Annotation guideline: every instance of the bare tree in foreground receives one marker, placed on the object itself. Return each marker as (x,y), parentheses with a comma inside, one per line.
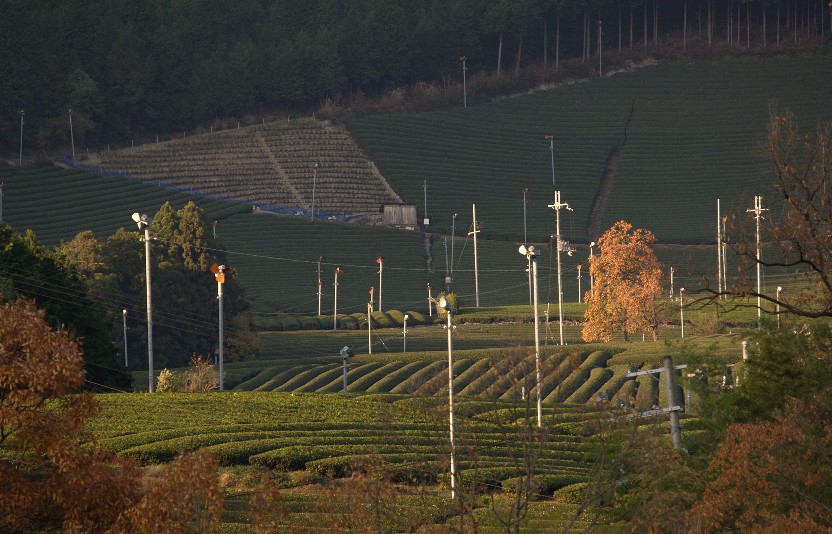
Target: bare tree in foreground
(801,230)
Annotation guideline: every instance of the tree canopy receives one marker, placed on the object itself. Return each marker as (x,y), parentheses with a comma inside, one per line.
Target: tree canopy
(127,70)
(626,292)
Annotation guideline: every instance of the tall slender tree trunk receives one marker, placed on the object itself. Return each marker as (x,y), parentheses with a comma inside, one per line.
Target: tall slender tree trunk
(710,25)
(795,22)
(729,24)
(519,55)
(765,37)
(655,23)
(778,24)
(500,55)
(645,24)
(619,26)
(557,43)
(748,25)
(685,27)
(583,39)
(632,10)
(699,19)
(545,44)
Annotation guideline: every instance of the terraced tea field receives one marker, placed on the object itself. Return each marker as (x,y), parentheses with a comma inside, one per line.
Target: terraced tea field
(688,133)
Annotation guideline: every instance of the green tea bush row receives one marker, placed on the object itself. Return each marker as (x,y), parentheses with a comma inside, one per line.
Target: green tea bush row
(396,377)
(303,377)
(586,392)
(579,375)
(547,484)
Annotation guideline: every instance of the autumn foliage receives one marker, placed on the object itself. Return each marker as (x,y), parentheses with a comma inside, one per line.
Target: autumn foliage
(626,291)
(773,476)
(53,477)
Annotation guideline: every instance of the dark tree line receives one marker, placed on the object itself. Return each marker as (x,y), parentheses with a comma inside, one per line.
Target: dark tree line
(133,69)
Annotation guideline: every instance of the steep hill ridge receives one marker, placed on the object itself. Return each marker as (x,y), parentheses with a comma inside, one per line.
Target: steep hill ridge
(270,164)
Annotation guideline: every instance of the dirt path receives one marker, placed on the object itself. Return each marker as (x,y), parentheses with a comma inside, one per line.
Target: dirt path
(593,224)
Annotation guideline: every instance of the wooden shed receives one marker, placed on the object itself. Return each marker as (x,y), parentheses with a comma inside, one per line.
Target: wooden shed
(399,216)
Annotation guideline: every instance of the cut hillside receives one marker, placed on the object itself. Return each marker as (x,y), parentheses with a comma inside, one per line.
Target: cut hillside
(271,165)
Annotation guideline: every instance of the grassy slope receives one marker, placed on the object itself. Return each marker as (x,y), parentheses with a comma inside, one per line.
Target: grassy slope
(692,136)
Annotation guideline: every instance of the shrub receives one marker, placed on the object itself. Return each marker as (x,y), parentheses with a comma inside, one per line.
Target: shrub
(310,323)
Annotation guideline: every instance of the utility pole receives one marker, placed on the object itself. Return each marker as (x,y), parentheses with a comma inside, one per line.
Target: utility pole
(551,140)
(219,272)
(447,271)
(476,271)
(335,306)
(430,302)
(561,245)
(71,136)
(20,161)
(345,355)
(531,254)
(2,190)
(443,303)
(426,220)
(682,309)
(724,253)
(600,72)
(719,249)
(380,261)
(144,223)
(579,284)
(314,185)
(453,239)
(526,242)
(320,284)
(673,409)
(464,85)
(757,211)
(124,321)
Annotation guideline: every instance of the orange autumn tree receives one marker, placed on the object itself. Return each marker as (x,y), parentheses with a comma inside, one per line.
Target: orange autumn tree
(53,479)
(626,292)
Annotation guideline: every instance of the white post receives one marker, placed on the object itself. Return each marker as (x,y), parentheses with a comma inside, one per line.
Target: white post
(150,378)
(451,395)
(221,349)
(404,334)
(476,270)
(579,283)
(430,302)
(671,282)
(591,277)
(537,345)
(779,289)
(369,328)
(557,206)
(682,309)
(124,320)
